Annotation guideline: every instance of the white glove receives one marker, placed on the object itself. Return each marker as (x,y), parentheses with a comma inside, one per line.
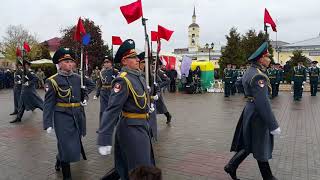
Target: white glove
(49,130)
(84,103)
(155,83)
(95,97)
(26,83)
(303,82)
(105,150)
(276,131)
(292,82)
(19,82)
(155,97)
(149,89)
(151,108)
(230,82)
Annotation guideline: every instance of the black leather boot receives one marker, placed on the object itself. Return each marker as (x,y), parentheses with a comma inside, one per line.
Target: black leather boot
(168,115)
(16,120)
(57,165)
(111,175)
(14,113)
(232,166)
(66,172)
(265,171)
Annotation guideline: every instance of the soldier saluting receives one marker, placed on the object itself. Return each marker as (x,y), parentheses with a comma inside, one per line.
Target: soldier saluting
(257,123)
(63,110)
(128,99)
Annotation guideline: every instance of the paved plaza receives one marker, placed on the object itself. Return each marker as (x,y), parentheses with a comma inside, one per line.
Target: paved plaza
(196,145)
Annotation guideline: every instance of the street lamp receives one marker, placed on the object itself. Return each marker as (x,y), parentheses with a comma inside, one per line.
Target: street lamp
(209,48)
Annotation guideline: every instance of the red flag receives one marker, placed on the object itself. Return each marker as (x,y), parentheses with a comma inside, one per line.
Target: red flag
(154,36)
(132,11)
(26,47)
(116,40)
(164,33)
(18,52)
(268,19)
(80,31)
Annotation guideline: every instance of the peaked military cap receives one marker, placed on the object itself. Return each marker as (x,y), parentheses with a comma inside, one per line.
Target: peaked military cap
(126,50)
(107,58)
(278,64)
(63,54)
(141,56)
(263,49)
(314,62)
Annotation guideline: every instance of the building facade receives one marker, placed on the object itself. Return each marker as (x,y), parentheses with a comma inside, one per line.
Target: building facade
(194,50)
(310,48)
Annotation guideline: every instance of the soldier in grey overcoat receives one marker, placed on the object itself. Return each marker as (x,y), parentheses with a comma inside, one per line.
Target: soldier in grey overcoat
(64,111)
(128,99)
(17,86)
(29,99)
(257,124)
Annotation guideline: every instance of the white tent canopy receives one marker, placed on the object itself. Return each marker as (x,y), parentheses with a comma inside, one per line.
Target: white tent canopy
(42,61)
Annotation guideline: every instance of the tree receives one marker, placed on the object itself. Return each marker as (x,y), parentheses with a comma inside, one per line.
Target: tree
(15,37)
(232,52)
(251,41)
(297,56)
(45,53)
(96,50)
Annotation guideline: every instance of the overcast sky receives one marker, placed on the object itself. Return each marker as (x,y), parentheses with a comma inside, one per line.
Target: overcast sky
(296,19)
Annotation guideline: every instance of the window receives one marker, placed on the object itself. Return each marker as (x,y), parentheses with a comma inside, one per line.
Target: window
(193,35)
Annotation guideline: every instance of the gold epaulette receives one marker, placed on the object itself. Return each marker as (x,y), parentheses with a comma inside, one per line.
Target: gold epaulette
(53,76)
(122,74)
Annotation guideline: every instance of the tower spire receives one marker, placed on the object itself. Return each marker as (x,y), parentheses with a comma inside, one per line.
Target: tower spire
(194,11)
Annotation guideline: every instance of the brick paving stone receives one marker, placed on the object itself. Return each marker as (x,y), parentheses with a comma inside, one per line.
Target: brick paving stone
(195,147)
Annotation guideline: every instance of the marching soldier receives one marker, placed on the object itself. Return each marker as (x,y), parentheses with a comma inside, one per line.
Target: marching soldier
(314,73)
(63,110)
(234,79)
(257,124)
(17,86)
(280,75)
(161,107)
(227,79)
(299,79)
(272,73)
(29,98)
(106,76)
(128,99)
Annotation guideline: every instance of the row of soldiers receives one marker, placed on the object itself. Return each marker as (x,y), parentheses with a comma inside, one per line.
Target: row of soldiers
(123,106)
(24,90)
(276,77)
(230,76)
(299,78)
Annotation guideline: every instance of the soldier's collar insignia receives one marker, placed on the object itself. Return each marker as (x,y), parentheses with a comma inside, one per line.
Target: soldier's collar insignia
(130,41)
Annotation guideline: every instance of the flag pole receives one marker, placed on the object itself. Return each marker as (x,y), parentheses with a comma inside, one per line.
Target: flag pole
(112,52)
(156,62)
(81,67)
(146,57)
